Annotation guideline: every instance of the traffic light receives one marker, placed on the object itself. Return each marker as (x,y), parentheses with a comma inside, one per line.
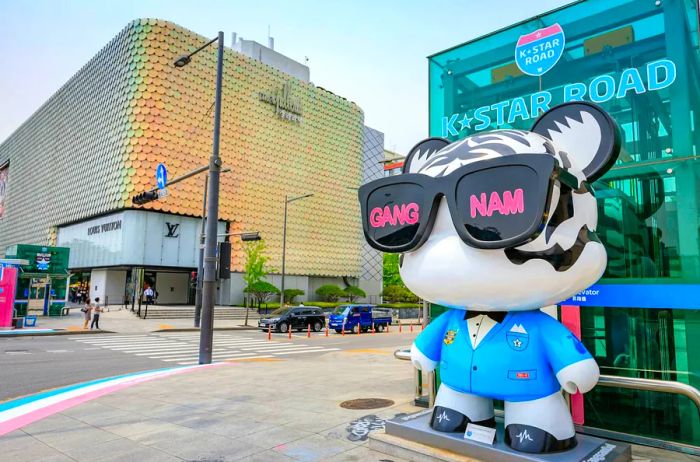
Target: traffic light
(224,260)
(144,197)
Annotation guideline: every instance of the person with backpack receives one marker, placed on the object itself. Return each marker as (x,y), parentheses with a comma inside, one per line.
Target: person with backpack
(87,311)
(96,316)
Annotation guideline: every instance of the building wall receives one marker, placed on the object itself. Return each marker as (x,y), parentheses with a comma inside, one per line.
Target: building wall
(172,287)
(108,285)
(134,238)
(129,109)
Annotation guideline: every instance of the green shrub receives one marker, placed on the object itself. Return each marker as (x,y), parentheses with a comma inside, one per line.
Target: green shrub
(398,294)
(261,291)
(291,294)
(353,292)
(330,292)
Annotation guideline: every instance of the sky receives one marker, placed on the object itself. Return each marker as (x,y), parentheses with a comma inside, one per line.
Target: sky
(372,52)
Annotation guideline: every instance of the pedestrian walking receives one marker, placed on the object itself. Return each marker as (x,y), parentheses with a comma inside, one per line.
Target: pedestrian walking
(97,309)
(149,295)
(87,311)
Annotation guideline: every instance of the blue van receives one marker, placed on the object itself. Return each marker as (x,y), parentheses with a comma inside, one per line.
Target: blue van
(356,317)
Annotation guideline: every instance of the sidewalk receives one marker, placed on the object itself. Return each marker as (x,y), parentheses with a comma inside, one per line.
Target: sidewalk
(252,411)
(123,321)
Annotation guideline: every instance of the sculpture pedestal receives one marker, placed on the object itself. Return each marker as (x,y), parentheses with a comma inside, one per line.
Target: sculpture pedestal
(412,438)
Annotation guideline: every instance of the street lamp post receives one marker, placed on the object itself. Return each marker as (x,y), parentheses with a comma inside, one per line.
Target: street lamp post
(206,334)
(287,200)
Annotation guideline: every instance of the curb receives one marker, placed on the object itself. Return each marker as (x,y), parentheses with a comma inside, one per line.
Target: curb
(62,332)
(196,329)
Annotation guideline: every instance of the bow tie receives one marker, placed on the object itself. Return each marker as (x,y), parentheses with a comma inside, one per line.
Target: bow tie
(497,316)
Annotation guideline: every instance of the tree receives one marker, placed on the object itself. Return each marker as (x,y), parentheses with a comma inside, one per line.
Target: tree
(353,292)
(261,291)
(330,292)
(255,267)
(390,272)
(396,294)
(291,294)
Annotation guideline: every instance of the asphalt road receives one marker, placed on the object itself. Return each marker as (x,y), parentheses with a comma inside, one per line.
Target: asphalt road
(32,364)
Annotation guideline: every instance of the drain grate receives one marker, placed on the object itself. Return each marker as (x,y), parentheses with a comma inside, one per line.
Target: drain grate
(366,403)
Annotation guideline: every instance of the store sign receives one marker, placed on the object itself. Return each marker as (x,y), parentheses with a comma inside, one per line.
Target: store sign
(286,106)
(43,260)
(539,51)
(171,229)
(537,56)
(104,227)
(677,296)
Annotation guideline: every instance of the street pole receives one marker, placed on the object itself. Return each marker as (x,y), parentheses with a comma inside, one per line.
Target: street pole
(284,248)
(287,200)
(209,267)
(200,265)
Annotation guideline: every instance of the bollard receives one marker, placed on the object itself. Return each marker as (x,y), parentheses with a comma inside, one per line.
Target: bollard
(388,326)
(400,330)
(372,328)
(411,327)
(342,332)
(308,332)
(359,328)
(269,332)
(290,333)
(326,330)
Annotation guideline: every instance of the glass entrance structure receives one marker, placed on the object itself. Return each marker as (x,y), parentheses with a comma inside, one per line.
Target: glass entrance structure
(638,59)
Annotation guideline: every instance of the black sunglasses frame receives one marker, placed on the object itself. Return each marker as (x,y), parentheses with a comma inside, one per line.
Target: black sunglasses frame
(546,168)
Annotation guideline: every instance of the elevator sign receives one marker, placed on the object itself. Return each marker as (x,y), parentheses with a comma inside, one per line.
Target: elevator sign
(539,51)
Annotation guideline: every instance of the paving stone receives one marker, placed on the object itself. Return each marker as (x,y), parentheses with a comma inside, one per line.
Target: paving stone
(313,448)
(275,436)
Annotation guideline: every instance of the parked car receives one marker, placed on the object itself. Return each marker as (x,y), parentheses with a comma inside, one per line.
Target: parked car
(295,317)
(359,317)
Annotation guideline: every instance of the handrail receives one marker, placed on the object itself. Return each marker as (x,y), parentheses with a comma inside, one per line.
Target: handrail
(664,386)
(615,381)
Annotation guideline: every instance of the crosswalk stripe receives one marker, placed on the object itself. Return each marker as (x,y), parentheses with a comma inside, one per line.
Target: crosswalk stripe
(277,347)
(82,337)
(136,347)
(306,351)
(125,342)
(144,349)
(189,363)
(215,355)
(189,352)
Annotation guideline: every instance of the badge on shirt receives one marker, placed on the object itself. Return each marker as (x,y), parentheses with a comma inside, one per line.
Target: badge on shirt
(517,337)
(450,336)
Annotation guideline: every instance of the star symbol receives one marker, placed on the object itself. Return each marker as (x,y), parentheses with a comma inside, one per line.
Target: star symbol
(538,35)
(465,122)
(517,343)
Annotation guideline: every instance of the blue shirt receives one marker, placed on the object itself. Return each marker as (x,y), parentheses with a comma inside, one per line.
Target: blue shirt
(517,360)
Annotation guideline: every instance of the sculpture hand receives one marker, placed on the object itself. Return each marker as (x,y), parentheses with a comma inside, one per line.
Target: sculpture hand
(581,376)
(420,361)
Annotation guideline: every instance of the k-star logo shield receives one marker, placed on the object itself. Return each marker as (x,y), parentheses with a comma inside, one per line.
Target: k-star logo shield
(538,51)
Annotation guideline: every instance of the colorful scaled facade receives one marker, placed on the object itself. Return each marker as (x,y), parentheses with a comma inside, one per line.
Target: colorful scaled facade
(640,62)
(68,174)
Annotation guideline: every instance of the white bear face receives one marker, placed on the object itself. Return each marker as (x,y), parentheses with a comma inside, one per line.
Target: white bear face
(561,259)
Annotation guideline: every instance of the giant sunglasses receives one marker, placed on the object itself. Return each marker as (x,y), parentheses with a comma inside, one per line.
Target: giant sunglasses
(494,204)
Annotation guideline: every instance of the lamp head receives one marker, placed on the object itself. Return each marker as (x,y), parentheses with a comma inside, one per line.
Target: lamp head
(182,61)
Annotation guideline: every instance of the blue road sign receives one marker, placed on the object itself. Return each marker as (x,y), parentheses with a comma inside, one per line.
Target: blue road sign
(161,176)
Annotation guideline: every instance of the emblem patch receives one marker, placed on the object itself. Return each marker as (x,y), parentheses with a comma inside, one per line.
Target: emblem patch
(450,336)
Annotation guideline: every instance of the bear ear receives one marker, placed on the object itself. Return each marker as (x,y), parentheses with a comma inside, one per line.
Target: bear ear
(585,132)
(419,154)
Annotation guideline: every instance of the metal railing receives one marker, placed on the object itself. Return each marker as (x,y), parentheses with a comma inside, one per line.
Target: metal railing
(612,381)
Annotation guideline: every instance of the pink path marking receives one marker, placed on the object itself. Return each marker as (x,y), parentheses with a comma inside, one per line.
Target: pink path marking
(33,416)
